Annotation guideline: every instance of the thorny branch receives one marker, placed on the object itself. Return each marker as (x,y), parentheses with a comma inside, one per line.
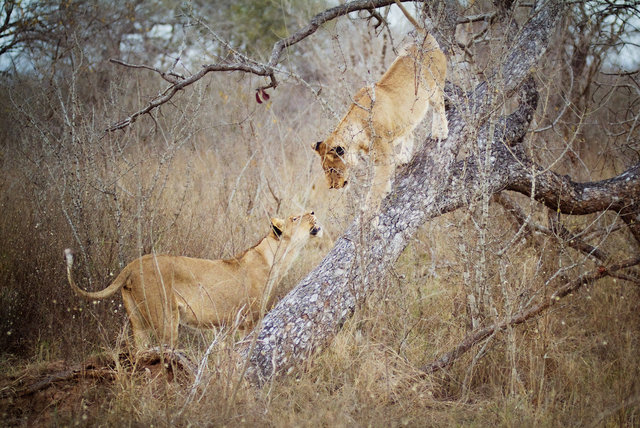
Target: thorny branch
(169,92)
(170,77)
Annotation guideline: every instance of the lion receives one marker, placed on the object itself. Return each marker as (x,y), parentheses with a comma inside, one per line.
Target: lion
(162,291)
(380,122)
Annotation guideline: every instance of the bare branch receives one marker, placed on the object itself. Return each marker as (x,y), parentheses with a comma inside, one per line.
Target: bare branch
(170,77)
(560,193)
(620,73)
(474,338)
(248,66)
(566,236)
(475,18)
(321,18)
(169,92)
(631,216)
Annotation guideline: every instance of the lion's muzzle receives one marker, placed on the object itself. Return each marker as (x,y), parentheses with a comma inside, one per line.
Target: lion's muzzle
(335,179)
(316,231)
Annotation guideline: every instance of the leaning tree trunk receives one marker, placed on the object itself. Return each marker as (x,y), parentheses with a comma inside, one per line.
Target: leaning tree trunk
(308,318)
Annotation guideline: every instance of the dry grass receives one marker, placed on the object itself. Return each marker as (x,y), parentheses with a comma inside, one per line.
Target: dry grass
(202,180)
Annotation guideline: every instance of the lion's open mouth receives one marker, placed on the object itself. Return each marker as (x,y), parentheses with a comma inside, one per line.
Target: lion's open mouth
(316,231)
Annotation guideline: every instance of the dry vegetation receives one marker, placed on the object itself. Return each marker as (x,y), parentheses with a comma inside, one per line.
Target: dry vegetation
(202,179)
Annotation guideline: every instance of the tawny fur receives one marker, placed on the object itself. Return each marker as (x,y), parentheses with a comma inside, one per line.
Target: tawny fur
(380,122)
(161,291)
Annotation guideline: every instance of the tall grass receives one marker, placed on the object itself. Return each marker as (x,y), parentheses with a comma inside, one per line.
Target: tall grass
(202,177)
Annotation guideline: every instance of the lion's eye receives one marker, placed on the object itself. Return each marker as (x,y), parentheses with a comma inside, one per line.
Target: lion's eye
(295,218)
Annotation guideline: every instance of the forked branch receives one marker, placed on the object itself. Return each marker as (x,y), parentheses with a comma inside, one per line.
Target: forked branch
(169,92)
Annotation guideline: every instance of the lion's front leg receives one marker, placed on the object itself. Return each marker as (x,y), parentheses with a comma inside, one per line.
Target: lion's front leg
(439,124)
(403,148)
(381,181)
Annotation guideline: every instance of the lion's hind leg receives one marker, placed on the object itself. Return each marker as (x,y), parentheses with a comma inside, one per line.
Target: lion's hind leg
(158,324)
(171,324)
(139,326)
(165,319)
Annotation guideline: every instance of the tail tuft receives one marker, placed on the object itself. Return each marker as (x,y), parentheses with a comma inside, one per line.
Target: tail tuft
(68,256)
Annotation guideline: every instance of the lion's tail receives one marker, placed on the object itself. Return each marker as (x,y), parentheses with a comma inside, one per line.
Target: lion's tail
(97,295)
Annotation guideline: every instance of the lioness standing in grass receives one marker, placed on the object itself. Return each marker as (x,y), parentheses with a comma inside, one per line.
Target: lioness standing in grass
(160,291)
(380,122)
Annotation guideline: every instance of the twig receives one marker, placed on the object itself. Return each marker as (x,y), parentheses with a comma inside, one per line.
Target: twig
(567,103)
(476,18)
(170,76)
(563,234)
(168,93)
(635,280)
(199,374)
(620,73)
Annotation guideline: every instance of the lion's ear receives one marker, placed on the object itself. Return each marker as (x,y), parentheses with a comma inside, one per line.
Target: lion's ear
(339,150)
(277,225)
(316,146)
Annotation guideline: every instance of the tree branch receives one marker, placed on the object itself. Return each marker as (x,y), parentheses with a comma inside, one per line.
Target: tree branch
(321,18)
(631,216)
(560,193)
(170,77)
(566,236)
(169,92)
(474,338)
